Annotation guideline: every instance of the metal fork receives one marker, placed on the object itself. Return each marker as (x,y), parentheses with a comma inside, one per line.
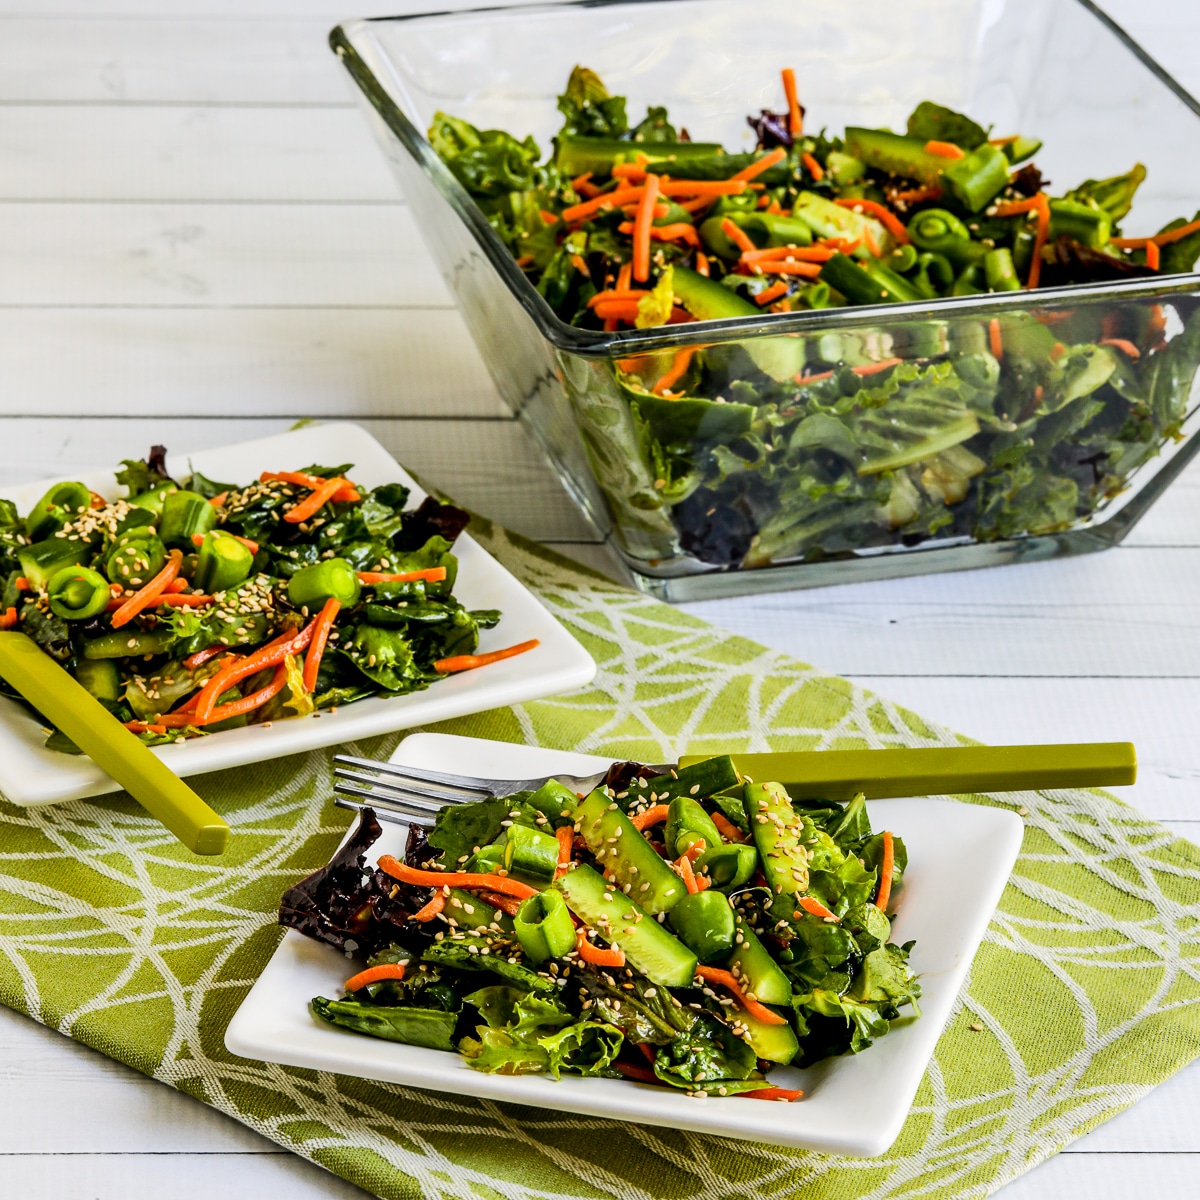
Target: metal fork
(413,795)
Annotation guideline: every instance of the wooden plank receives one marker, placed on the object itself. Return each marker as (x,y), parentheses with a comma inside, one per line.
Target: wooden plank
(191,153)
(173,59)
(230,362)
(1155,714)
(281,1176)
(490,466)
(104,255)
(1123,613)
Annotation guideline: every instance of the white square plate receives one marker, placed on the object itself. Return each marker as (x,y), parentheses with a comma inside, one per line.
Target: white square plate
(31,774)
(960,857)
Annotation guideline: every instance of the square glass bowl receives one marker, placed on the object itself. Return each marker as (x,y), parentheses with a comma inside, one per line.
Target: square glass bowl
(728,491)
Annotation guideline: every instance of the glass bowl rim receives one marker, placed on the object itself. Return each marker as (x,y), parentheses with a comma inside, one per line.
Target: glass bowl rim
(621,343)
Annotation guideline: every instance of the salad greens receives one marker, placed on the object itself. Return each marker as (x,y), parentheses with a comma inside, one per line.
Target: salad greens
(805,446)
(190,606)
(690,930)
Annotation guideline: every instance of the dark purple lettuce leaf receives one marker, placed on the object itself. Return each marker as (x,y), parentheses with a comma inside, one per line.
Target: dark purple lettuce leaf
(431,518)
(771,129)
(354,908)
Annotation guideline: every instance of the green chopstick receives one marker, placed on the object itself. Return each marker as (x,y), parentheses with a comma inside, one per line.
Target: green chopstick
(939,770)
(70,707)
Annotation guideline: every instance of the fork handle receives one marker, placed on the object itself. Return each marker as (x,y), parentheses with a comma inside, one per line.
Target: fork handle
(936,771)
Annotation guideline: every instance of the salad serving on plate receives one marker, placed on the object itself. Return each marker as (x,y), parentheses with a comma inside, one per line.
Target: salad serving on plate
(801,447)
(193,606)
(689,929)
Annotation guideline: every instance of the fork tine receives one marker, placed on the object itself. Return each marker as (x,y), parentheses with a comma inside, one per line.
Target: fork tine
(391,798)
(384,814)
(385,786)
(467,783)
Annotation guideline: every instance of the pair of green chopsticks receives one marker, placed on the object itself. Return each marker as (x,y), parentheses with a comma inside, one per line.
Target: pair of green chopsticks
(831,774)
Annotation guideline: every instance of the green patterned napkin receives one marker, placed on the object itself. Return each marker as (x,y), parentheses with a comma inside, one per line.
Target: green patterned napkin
(1084,995)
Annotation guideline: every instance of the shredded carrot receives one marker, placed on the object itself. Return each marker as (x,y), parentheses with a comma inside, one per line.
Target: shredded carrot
(676,371)
(817,376)
(622,195)
(660,210)
(795,116)
(703,188)
(375,975)
(347,494)
(202,656)
(1122,344)
(679,231)
(875,368)
(775,267)
(760,165)
(683,865)
(773,1093)
(610,324)
(812,905)
(9,619)
(701,264)
(636,1073)
(142,727)
(625,277)
(468,662)
(580,180)
(430,910)
(814,168)
(578,263)
(918,195)
(525,260)
(1039,204)
(218,500)
(1039,242)
(314,501)
(618,310)
(183,600)
(872,243)
(844,245)
(881,213)
(1175,235)
(1153,255)
(886,866)
(148,595)
(737,236)
(235,708)
(632,172)
(818,254)
(566,843)
(726,828)
(178,585)
(944,149)
(766,296)
(1014,208)
(696,849)
(470,880)
(994,338)
(22,584)
(617,294)
(613,957)
(427,574)
(753,1007)
(1057,351)
(270,655)
(641,229)
(507,904)
(320,635)
(548,217)
(652,816)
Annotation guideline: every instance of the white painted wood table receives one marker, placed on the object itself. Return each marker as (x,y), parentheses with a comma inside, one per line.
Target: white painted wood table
(199,243)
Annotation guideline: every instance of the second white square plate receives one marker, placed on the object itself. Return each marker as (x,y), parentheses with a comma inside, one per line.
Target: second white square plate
(960,857)
(31,774)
